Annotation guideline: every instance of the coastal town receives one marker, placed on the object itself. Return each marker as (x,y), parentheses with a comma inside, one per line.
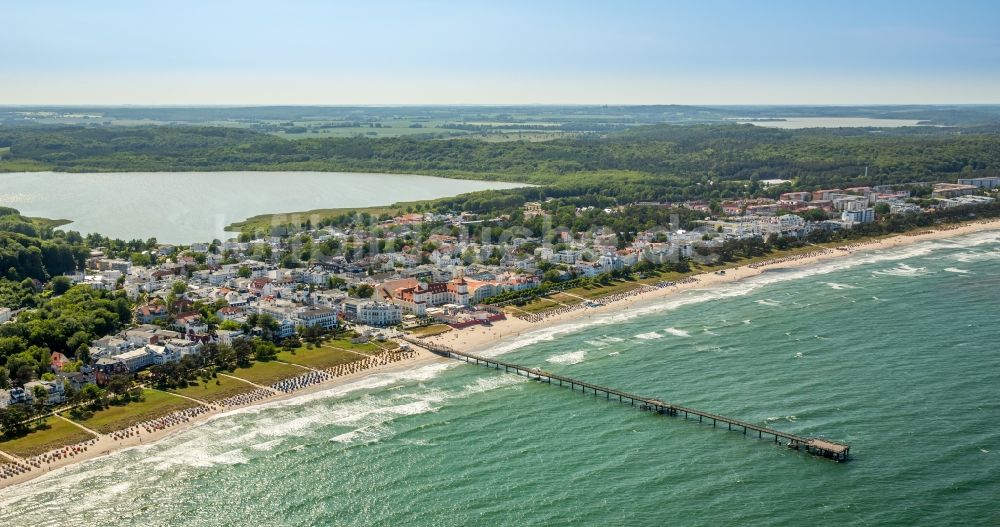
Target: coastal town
(224,324)
(393,263)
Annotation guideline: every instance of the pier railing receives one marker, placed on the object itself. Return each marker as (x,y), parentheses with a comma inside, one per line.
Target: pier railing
(813,445)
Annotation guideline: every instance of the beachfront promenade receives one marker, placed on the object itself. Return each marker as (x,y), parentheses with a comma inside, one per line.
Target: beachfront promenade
(815,446)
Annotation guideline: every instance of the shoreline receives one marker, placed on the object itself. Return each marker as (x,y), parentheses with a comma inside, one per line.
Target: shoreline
(477,339)
(114,442)
(480,338)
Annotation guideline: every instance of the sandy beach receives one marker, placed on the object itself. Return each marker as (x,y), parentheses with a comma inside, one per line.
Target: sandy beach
(479,338)
(106,444)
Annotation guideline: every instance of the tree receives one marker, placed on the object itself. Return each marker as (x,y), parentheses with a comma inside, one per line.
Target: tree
(289,261)
(264,350)
(60,285)
(243,350)
(119,385)
(14,420)
(94,394)
(83,354)
(244,272)
(179,287)
(361,291)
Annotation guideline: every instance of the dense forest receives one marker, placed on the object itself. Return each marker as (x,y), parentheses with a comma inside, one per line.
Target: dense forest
(59,316)
(664,163)
(29,251)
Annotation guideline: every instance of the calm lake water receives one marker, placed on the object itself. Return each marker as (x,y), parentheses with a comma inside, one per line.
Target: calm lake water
(794,123)
(185,207)
(894,352)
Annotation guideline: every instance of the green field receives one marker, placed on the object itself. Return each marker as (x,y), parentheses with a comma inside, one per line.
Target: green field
(219,388)
(319,358)
(156,404)
(657,277)
(367,347)
(569,297)
(538,305)
(565,299)
(433,329)
(54,433)
(373,132)
(533,136)
(617,286)
(266,373)
(264,222)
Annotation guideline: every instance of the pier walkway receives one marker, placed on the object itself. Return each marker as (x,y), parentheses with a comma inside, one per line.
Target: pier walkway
(813,445)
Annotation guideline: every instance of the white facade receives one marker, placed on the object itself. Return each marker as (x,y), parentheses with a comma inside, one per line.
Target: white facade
(54,389)
(380,314)
(137,359)
(858,216)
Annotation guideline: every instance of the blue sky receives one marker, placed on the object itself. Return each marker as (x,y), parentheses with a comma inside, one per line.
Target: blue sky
(511,52)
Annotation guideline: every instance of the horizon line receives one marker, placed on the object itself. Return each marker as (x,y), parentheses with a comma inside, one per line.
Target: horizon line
(495,105)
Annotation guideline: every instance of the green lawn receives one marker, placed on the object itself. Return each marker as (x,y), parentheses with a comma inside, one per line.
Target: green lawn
(616,286)
(657,277)
(267,373)
(538,305)
(215,389)
(156,404)
(429,331)
(319,358)
(367,347)
(54,434)
(565,299)
(569,297)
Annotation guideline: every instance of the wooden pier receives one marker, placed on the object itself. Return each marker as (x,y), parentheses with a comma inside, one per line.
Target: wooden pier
(815,446)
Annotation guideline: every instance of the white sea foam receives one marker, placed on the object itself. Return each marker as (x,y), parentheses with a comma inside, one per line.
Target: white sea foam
(649,336)
(976,256)
(677,332)
(367,434)
(603,341)
(534,337)
(719,292)
(194,454)
(902,270)
(574,357)
(768,302)
(836,286)
(956,270)
(485,384)
(267,445)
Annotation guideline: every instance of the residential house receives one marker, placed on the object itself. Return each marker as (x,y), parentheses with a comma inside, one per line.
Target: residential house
(54,391)
(150,313)
(136,360)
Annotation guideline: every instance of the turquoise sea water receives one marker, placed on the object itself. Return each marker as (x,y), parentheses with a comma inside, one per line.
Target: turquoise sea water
(894,352)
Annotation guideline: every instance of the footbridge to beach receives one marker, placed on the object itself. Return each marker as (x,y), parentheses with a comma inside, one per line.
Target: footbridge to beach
(812,445)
